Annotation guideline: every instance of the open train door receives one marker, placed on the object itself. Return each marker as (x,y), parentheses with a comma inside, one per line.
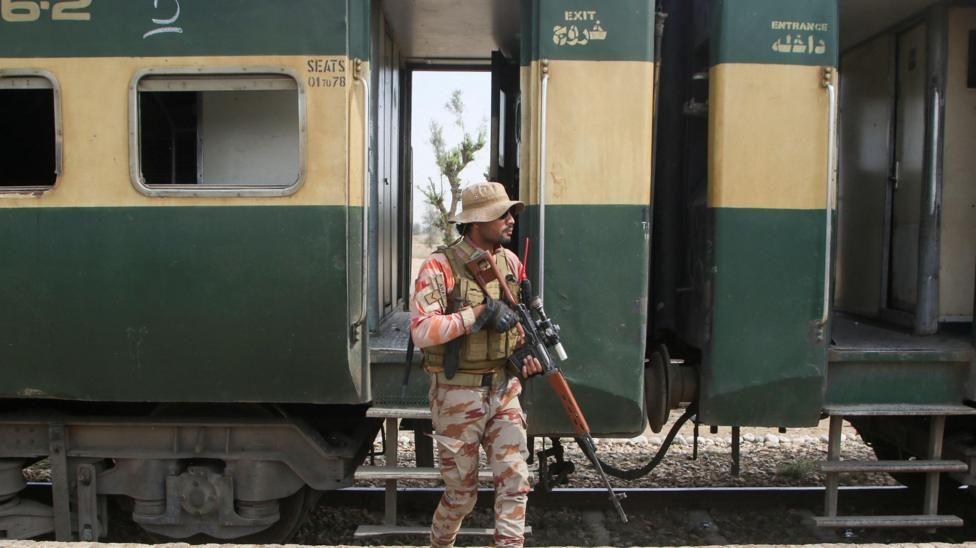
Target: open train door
(586,112)
(506,100)
(505,108)
(906,179)
(770,211)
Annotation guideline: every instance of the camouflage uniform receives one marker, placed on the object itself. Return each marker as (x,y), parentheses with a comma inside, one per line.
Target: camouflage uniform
(466,417)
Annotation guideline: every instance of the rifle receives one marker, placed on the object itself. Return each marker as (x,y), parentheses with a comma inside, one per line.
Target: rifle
(541,334)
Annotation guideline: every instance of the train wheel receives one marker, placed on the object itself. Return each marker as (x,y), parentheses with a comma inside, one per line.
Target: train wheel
(657,388)
(293,510)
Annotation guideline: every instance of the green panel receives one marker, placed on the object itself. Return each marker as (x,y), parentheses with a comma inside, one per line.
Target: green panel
(120,28)
(359,338)
(756,31)
(529,15)
(387,384)
(897,382)
(622,30)
(765,361)
(359,28)
(596,289)
(211,304)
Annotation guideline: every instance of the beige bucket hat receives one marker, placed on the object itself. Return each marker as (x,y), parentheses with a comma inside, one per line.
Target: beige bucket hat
(485,202)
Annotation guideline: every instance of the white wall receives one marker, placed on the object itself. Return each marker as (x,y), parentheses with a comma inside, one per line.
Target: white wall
(958,252)
(863,178)
(249,138)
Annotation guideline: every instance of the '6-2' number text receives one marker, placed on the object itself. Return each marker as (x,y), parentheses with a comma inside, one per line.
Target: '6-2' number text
(26,11)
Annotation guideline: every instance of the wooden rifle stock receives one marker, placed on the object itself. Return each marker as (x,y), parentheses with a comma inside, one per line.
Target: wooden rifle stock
(501,282)
(559,385)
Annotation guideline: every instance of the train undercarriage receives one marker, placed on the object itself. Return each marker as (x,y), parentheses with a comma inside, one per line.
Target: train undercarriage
(248,473)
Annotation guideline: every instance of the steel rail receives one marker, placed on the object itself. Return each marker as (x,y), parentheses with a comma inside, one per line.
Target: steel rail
(584,497)
(639,501)
(637,497)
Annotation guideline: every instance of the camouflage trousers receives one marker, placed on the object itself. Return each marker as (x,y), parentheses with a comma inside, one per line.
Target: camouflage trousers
(464,419)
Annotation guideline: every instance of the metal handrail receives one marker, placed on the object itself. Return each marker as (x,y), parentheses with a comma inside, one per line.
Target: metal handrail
(934,164)
(361,78)
(543,118)
(830,85)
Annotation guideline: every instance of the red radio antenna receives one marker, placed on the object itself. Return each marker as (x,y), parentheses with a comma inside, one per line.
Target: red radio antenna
(525,259)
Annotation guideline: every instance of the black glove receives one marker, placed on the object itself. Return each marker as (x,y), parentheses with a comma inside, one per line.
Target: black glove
(497,316)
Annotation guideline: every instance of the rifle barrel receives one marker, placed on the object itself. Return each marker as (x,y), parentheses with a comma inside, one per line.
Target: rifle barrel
(585,443)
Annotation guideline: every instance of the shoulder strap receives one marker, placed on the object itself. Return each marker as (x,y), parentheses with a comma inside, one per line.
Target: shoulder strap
(408,365)
(451,253)
(501,262)
(457,254)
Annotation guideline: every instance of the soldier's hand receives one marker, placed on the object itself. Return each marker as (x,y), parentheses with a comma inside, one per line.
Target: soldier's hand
(495,315)
(531,367)
(501,317)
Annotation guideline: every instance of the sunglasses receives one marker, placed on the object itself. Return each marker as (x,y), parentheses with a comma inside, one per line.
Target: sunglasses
(505,215)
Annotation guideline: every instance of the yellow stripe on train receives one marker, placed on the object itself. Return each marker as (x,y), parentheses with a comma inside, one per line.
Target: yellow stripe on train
(599,137)
(767,137)
(95,98)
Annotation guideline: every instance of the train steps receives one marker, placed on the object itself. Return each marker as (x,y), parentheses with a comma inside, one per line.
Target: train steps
(393,474)
(932,466)
(416,473)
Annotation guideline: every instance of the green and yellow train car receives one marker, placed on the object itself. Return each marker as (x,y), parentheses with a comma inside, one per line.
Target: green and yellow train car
(755,210)
(203,233)
(199,217)
(811,256)
(181,211)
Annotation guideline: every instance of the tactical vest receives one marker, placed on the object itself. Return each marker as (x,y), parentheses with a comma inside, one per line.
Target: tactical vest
(487,350)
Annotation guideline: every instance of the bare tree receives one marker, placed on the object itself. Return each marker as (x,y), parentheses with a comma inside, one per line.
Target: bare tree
(437,215)
(451,161)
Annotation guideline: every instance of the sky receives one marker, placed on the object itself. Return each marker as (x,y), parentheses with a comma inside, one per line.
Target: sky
(431,91)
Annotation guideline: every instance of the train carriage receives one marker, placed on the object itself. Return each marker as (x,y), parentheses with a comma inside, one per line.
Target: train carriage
(204,227)
(821,265)
(757,211)
(182,236)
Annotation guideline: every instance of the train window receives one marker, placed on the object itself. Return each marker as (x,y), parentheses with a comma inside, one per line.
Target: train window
(30,143)
(231,133)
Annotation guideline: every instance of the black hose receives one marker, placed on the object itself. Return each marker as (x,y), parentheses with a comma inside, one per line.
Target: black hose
(658,457)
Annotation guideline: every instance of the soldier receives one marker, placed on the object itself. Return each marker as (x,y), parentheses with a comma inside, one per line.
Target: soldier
(467,338)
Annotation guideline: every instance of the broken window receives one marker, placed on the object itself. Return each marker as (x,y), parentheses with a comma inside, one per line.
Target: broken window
(29,144)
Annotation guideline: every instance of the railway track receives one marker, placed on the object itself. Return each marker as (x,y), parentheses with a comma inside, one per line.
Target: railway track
(591,498)
(637,499)
(659,516)
(675,516)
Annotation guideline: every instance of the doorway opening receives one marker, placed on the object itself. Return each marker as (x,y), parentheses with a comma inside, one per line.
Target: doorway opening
(420,56)
(905,227)
(450,149)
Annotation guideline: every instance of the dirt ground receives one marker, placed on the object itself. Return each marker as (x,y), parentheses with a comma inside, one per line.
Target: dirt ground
(420,252)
